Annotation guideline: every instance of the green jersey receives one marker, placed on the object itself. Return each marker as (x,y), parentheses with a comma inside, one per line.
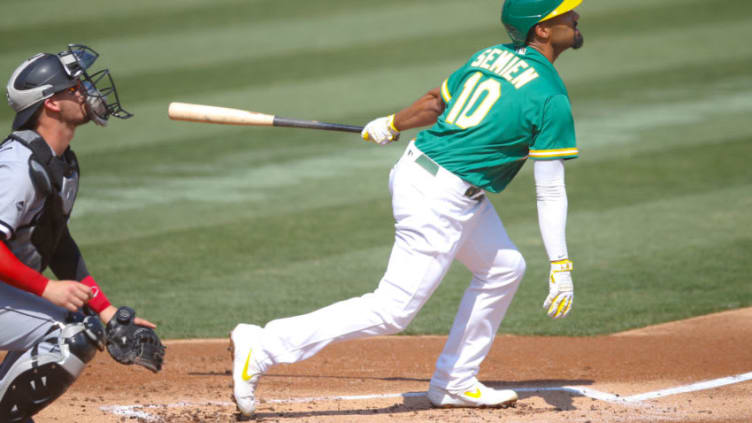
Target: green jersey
(502,106)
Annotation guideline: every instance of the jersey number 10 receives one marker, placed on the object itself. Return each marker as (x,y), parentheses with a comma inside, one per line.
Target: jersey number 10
(467,113)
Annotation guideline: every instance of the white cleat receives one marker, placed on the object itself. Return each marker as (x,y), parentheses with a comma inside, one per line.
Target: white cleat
(245,370)
(479,395)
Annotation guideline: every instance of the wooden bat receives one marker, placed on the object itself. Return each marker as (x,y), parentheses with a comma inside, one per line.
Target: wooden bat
(227,116)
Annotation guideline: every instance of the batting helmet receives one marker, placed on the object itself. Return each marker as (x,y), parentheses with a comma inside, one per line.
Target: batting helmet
(36,79)
(519,16)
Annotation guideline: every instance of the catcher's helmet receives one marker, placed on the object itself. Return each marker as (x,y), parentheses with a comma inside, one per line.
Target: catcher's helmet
(37,78)
(41,76)
(519,16)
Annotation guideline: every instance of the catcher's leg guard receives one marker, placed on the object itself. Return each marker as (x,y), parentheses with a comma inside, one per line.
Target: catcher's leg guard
(35,378)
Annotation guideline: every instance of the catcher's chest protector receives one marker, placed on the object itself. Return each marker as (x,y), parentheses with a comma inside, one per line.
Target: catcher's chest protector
(56,179)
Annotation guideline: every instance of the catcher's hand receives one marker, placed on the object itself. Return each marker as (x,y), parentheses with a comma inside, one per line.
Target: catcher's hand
(560,289)
(381,130)
(129,343)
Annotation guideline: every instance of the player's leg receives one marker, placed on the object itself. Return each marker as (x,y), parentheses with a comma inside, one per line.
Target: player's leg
(45,356)
(498,268)
(428,231)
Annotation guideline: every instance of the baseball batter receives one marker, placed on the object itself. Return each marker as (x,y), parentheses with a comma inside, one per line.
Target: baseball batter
(506,104)
(48,341)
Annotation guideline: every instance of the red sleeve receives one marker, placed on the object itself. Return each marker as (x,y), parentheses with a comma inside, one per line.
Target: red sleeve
(98,301)
(17,274)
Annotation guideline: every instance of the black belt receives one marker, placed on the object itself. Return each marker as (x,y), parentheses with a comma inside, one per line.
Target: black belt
(433,168)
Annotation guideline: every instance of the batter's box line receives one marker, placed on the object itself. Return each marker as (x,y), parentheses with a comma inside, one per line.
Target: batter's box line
(139,410)
(136,410)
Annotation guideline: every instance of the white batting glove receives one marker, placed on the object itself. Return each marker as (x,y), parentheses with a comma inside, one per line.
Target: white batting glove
(381,130)
(560,289)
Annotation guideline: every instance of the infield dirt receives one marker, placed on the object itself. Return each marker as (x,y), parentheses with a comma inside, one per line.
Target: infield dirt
(195,384)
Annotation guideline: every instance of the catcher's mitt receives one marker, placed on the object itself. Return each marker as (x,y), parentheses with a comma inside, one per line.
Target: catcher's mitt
(129,343)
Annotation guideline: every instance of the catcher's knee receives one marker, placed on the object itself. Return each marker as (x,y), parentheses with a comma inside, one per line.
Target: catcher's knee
(37,377)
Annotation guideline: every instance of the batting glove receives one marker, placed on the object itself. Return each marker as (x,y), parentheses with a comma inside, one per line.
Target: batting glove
(560,289)
(381,130)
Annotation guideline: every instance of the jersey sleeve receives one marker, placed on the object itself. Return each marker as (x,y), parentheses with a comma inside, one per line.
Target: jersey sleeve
(556,137)
(16,196)
(451,85)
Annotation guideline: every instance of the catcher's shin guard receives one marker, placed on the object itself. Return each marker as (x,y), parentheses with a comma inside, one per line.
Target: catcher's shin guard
(35,378)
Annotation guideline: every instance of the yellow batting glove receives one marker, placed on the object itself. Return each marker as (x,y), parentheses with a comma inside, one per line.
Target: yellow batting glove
(560,289)
(381,130)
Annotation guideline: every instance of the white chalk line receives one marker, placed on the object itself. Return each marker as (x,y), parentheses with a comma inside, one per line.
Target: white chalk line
(135,410)
(138,410)
(699,386)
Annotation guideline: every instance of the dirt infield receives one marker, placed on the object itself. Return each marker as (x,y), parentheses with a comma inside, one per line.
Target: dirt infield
(595,379)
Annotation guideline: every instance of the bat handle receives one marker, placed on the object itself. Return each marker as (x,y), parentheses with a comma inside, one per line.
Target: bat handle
(298,123)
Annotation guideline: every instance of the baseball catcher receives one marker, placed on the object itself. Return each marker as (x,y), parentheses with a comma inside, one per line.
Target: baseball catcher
(47,337)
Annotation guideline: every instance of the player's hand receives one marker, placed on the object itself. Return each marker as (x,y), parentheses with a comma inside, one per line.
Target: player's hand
(560,289)
(381,130)
(71,295)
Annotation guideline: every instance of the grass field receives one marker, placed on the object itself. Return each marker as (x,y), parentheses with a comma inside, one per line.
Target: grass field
(199,227)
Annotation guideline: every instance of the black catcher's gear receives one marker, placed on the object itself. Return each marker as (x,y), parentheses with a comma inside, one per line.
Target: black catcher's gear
(33,379)
(129,343)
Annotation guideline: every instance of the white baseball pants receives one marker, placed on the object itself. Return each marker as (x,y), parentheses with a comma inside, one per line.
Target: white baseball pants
(435,223)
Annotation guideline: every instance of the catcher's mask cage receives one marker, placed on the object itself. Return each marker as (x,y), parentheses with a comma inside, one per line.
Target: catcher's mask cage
(101,94)
(42,75)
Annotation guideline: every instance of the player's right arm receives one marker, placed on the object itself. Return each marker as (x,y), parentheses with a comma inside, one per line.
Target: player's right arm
(16,195)
(423,112)
(71,295)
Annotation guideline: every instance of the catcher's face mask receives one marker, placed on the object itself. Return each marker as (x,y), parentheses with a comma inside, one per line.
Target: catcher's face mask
(102,99)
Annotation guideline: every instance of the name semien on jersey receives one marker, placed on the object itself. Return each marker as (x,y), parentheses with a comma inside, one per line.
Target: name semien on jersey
(507,65)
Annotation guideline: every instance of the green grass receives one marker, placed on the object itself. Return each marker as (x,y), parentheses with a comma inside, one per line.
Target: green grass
(200,227)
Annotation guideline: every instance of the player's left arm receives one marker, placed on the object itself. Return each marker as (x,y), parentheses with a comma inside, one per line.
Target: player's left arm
(423,112)
(68,263)
(552,204)
(552,146)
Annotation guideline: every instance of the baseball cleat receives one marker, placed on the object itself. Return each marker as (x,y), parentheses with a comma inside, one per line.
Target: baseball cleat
(478,395)
(245,370)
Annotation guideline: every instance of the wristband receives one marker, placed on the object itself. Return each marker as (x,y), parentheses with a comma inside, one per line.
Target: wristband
(391,124)
(564,265)
(98,301)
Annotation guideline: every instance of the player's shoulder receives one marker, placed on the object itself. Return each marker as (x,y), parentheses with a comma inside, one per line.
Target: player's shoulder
(520,66)
(549,80)
(11,148)
(14,156)
(491,52)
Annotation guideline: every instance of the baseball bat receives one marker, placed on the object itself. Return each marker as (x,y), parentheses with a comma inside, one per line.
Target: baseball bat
(228,116)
